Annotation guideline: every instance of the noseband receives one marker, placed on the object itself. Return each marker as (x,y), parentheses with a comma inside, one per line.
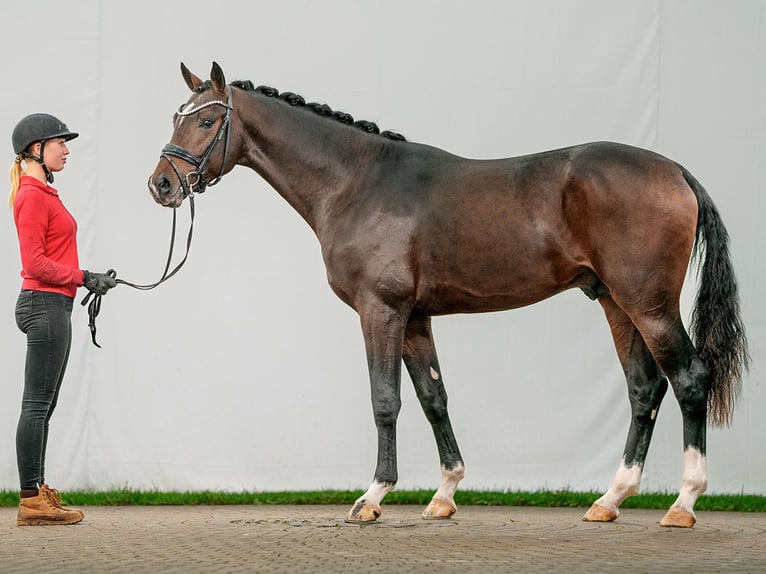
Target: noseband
(194,182)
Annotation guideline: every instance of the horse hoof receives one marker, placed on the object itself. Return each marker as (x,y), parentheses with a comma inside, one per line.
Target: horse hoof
(678,518)
(363,513)
(598,513)
(438,509)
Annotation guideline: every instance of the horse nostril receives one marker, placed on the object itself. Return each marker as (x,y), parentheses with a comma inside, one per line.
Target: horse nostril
(163,184)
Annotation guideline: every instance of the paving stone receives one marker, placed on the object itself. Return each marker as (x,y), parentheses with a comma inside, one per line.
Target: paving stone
(286,539)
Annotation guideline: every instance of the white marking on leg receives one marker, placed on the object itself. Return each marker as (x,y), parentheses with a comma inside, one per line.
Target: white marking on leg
(434,374)
(376,493)
(626,483)
(693,481)
(450,480)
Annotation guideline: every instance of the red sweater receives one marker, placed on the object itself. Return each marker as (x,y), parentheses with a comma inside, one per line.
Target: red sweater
(47,239)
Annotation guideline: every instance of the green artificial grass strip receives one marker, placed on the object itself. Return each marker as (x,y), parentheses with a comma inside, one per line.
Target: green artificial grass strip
(542,498)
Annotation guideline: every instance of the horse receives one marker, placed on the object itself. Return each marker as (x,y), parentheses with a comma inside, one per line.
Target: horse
(409,231)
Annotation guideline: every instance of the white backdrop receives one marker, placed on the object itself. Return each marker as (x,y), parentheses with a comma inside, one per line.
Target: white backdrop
(244,371)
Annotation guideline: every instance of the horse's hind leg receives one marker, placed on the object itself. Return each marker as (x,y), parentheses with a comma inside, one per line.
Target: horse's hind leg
(646,389)
(422,364)
(659,323)
(669,342)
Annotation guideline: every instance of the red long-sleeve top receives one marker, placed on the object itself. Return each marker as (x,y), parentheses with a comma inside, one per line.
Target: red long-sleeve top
(47,239)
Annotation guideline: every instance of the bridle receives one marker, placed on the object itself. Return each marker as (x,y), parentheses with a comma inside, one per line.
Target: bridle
(192,183)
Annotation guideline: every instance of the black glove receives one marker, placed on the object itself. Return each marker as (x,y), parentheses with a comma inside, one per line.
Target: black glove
(98,283)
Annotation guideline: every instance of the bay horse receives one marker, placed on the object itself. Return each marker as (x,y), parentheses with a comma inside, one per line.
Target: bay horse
(409,231)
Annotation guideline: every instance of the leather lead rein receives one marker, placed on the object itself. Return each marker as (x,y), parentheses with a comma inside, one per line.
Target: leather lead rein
(94,304)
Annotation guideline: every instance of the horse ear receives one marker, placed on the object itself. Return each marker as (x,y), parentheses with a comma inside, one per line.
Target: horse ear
(191,80)
(218,79)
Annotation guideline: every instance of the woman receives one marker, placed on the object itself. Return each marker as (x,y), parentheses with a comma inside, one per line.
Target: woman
(51,275)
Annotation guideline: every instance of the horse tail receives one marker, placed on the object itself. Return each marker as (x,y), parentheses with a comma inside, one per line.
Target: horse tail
(716,326)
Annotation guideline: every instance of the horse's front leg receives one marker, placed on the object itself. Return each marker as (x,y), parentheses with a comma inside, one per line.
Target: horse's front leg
(423,367)
(383,335)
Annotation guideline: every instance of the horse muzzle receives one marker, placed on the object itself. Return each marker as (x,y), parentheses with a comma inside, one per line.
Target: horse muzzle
(164,192)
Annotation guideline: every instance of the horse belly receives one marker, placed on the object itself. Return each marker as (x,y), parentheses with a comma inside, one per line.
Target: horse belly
(496,256)
(496,280)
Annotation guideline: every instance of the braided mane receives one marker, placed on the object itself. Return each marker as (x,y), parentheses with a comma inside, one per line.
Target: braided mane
(321,109)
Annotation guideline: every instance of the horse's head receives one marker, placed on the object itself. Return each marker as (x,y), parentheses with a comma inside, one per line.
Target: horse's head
(198,152)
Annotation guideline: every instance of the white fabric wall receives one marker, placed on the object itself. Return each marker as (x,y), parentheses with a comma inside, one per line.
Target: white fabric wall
(244,371)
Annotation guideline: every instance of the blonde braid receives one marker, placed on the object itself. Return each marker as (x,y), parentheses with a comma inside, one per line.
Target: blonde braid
(15,174)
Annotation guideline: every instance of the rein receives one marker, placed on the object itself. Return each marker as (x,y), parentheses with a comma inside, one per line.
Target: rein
(192,183)
(94,307)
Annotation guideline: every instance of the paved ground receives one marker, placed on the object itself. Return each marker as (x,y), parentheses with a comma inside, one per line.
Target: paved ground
(277,539)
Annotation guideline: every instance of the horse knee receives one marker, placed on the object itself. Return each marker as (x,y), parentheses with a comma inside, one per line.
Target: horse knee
(386,410)
(434,404)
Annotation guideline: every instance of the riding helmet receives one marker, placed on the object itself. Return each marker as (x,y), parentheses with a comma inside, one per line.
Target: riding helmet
(39,127)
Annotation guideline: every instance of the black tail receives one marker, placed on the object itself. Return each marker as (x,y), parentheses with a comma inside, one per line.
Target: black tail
(716,326)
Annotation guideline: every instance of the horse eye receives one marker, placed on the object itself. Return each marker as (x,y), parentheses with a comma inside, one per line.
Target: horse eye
(206,123)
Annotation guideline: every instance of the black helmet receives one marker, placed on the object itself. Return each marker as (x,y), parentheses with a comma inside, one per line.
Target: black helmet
(39,127)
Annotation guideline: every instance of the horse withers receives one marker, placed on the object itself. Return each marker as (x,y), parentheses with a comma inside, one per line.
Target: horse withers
(409,231)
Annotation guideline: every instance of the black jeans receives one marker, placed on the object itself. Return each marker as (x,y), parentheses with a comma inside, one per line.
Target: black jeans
(46,320)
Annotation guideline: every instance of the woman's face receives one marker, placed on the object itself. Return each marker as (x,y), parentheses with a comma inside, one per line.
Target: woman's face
(55,153)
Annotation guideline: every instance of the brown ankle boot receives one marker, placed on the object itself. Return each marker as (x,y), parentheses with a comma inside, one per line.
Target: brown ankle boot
(45,509)
(55,498)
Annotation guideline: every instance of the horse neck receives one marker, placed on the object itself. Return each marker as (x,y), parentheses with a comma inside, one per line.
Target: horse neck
(310,160)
